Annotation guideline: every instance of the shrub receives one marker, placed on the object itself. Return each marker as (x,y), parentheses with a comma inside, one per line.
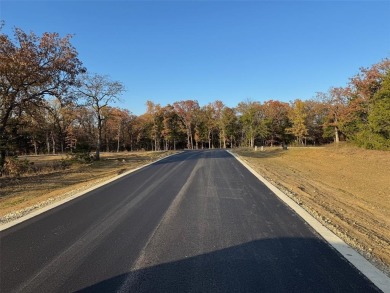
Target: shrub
(15,167)
(370,140)
(82,157)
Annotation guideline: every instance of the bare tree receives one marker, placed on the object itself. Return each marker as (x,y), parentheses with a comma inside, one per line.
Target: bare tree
(98,91)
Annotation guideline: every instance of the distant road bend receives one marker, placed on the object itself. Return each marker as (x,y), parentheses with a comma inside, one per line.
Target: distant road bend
(194,222)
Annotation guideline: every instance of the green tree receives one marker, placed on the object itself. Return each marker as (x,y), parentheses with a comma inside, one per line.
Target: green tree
(252,117)
(229,126)
(297,117)
(379,115)
(365,105)
(276,114)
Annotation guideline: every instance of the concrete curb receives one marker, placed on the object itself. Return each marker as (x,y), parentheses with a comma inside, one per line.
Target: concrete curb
(55,204)
(375,275)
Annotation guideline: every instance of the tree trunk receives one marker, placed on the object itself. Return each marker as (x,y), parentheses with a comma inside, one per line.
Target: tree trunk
(3,153)
(107,143)
(35,147)
(188,139)
(53,143)
(47,143)
(99,139)
(336,135)
(2,160)
(119,138)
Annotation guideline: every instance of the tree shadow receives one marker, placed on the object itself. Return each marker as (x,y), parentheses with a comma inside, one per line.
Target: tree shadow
(269,265)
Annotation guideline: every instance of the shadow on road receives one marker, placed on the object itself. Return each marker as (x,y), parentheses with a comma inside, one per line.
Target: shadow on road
(269,265)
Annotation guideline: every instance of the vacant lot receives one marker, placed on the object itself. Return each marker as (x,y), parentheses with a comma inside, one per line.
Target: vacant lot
(21,195)
(346,188)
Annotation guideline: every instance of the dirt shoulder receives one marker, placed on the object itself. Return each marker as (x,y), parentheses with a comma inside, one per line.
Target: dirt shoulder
(346,188)
(24,194)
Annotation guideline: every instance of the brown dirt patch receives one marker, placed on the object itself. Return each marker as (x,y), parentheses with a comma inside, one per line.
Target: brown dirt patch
(346,188)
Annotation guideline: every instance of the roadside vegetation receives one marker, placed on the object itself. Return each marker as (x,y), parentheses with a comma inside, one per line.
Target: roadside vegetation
(345,187)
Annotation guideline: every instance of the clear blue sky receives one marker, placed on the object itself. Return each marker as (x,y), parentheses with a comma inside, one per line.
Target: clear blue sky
(167,51)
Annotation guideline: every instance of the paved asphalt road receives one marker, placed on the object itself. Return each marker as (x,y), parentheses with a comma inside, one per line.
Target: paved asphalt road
(194,222)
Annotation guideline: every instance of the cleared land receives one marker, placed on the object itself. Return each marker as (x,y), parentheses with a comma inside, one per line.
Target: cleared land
(345,188)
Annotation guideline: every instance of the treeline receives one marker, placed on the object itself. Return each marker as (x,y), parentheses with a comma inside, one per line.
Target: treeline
(50,103)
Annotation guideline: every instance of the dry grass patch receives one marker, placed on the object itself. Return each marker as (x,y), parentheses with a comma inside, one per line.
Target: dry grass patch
(345,187)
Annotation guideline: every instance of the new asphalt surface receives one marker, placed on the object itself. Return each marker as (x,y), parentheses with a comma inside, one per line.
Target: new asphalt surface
(194,222)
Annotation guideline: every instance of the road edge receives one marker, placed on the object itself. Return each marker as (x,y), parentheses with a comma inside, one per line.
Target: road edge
(375,275)
(55,204)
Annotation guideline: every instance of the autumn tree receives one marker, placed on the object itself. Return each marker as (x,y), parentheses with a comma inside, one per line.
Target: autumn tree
(31,129)
(297,116)
(276,114)
(253,120)
(172,129)
(217,117)
(229,126)
(210,123)
(186,111)
(142,129)
(98,91)
(155,113)
(59,117)
(129,129)
(201,128)
(82,129)
(317,114)
(122,118)
(365,104)
(336,102)
(31,68)
(378,134)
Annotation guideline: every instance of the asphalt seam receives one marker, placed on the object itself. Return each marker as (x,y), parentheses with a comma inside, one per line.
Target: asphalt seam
(375,275)
(136,265)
